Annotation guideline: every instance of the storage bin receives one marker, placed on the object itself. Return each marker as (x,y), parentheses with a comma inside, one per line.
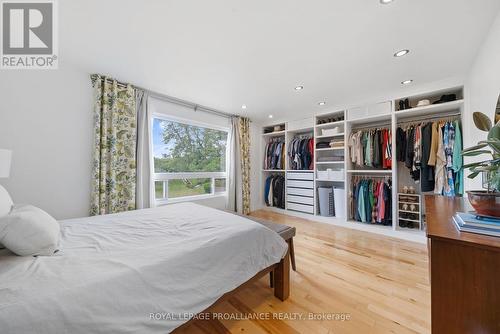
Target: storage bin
(331,132)
(332,175)
(300,176)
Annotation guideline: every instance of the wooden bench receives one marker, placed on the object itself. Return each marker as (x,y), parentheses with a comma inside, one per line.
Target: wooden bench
(286,232)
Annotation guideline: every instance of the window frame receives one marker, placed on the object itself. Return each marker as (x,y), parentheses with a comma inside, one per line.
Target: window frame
(165,177)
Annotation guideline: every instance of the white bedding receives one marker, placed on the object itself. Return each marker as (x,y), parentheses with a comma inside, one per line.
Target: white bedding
(113,271)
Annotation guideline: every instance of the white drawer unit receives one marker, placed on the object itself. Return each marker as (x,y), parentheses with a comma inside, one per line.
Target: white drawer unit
(300,176)
(300,184)
(300,199)
(300,192)
(300,207)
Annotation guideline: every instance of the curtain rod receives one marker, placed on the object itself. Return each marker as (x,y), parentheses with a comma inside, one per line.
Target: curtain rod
(171,99)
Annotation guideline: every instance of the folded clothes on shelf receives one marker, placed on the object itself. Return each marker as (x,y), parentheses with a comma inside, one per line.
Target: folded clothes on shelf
(323,145)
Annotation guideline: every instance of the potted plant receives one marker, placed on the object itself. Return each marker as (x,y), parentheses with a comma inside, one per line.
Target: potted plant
(486,202)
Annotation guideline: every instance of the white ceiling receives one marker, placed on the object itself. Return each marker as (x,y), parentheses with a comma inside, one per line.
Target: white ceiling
(225,53)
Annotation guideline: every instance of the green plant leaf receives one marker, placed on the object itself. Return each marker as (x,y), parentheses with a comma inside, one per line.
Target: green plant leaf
(486,168)
(494,138)
(475,164)
(476,147)
(481,121)
(473,175)
(474,153)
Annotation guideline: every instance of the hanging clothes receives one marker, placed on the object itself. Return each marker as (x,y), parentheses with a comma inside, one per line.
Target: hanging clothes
(432,153)
(448,142)
(440,171)
(274,191)
(301,153)
(458,160)
(371,148)
(426,170)
(371,201)
(274,157)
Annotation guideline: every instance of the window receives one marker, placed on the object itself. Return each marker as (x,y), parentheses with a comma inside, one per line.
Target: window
(189,160)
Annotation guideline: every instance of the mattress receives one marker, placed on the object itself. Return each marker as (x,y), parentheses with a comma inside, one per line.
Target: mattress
(144,271)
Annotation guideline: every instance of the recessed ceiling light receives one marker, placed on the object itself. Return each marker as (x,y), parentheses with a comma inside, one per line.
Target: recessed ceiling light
(244,106)
(322,103)
(270,116)
(299,88)
(401,53)
(385,2)
(406,82)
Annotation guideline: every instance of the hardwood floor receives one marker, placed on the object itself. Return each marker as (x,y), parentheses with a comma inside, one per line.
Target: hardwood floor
(380,282)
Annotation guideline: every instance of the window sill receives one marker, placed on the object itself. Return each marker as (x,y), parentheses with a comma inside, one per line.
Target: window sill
(160,202)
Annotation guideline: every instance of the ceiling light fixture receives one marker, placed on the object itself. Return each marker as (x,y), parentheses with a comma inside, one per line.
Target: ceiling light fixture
(299,88)
(244,106)
(401,53)
(385,2)
(406,82)
(270,116)
(322,103)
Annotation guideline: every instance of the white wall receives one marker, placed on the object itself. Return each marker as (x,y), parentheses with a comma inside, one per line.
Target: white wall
(482,90)
(46,119)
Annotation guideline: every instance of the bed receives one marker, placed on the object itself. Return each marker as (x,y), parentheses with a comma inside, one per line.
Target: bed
(144,271)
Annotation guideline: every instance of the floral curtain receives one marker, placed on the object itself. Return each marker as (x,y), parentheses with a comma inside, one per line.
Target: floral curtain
(115,139)
(244,141)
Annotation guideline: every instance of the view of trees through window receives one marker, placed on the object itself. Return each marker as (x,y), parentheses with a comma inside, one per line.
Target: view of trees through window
(185,148)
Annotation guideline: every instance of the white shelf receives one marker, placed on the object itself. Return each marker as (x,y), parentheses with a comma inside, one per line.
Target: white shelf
(330,149)
(274,134)
(301,130)
(409,220)
(328,162)
(328,125)
(330,136)
(415,212)
(274,170)
(328,180)
(430,110)
(370,119)
(403,202)
(300,170)
(374,171)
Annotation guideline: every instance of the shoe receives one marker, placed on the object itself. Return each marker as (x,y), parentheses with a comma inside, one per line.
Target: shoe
(407,104)
(446,98)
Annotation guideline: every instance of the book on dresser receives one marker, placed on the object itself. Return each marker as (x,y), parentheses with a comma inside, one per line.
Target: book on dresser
(470,222)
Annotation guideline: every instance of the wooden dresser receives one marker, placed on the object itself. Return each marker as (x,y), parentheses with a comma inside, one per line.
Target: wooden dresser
(464,272)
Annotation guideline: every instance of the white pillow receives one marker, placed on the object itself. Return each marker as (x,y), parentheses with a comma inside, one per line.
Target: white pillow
(5,205)
(28,230)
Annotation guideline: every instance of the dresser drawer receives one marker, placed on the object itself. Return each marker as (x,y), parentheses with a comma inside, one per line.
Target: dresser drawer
(300,199)
(300,184)
(300,207)
(300,176)
(300,192)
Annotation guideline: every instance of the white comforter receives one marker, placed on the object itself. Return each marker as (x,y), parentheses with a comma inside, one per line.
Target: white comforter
(114,271)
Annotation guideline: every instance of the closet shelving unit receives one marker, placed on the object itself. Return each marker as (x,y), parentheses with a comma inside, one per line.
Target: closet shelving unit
(271,133)
(373,115)
(329,162)
(300,194)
